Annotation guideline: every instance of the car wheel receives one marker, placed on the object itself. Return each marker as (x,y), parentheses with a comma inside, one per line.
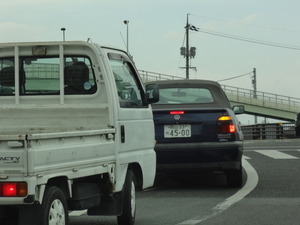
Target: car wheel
(129,205)
(54,207)
(235,178)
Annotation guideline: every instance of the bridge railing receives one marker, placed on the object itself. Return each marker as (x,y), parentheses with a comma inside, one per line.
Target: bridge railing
(152,76)
(264,99)
(242,95)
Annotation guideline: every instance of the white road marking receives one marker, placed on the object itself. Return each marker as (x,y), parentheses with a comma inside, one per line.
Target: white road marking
(252,180)
(276,154)
(77,213)
(190,222)
(246,157)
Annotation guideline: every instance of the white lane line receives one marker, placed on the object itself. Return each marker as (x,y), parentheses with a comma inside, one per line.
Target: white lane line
(276,154)
(77,213)
(246,157)
(252,180)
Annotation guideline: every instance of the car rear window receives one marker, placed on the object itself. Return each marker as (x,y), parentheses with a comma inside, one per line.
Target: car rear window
(185,96)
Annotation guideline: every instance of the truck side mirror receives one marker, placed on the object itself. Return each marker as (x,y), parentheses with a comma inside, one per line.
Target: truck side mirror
(238,109)
(152,93)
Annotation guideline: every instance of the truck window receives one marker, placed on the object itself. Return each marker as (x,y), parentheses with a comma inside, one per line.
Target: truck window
(41,76)
(7,77)
(127,85)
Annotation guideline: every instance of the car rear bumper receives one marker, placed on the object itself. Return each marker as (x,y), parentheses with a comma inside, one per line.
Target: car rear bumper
(199,156)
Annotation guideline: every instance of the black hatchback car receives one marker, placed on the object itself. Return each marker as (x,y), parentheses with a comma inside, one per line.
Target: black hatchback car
(196,129)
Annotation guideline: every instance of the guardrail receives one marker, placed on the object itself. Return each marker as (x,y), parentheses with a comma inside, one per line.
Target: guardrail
(234,93)
(152,76)
(242,95)
(269,131)
(264,99)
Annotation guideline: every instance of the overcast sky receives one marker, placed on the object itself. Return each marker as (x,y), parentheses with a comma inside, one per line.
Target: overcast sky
(156,33)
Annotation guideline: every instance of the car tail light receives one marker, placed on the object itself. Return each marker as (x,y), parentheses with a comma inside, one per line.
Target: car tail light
(225,125)
(176,112)
(13,189)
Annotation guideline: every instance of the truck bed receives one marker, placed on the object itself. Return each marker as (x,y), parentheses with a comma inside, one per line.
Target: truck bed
(31,119)
(62,152)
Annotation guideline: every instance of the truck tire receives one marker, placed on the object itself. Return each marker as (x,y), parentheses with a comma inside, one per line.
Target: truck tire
(54,209)
(129,205)
(235,178)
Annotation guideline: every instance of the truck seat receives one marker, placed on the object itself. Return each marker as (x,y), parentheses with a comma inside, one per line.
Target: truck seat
(75,77)
(7,80)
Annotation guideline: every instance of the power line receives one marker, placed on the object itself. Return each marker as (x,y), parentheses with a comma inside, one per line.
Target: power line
(248,24)
(256,41)
(231,78)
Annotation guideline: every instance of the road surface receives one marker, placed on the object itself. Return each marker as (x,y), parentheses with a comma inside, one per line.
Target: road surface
(270,195)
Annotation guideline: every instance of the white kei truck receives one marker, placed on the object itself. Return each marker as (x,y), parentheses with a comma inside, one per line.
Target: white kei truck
(76,132)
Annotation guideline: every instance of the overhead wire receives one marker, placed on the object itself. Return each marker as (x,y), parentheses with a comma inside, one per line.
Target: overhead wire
(231,78)
(256,41)
(251,40)
(248,24)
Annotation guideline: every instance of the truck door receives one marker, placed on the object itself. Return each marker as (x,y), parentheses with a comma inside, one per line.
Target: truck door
(136,130)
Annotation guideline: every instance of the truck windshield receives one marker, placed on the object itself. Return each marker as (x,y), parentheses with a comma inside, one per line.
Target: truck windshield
(184,96)
(41,76)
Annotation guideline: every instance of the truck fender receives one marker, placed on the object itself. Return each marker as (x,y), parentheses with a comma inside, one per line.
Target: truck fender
(138,174)
(40,192)
(120,177)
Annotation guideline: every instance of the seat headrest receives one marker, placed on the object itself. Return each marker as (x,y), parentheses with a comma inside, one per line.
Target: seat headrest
(7,76)
(76,75)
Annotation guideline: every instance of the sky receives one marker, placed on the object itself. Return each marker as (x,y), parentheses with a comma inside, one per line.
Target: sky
(156,32)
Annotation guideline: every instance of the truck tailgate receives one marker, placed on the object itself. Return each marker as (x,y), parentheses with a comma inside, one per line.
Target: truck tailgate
(13,158)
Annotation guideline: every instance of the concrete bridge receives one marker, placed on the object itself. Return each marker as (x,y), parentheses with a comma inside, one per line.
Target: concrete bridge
(256,103)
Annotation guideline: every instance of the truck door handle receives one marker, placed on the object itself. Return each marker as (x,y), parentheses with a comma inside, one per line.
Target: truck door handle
(122,134)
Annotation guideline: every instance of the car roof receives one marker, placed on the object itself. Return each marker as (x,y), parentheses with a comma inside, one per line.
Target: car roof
(220,97)
(185,81)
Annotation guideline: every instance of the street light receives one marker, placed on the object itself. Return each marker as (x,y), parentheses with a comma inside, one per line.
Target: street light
(126,22)
(63,30)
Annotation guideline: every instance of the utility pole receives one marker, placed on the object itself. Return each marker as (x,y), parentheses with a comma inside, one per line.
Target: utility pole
(254,83)
(255,90)
(187,58)
(186,51)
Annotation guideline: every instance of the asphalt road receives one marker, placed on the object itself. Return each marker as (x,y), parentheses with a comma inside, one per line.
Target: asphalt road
(270,195)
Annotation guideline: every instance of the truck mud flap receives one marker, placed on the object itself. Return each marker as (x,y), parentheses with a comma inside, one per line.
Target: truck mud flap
(109,206)
(85,195)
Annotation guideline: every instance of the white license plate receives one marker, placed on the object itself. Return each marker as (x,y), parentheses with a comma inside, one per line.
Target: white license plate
(177,131)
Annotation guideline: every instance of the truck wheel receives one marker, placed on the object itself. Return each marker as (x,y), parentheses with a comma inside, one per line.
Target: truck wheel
(129,205)
(235,178)
(54,209)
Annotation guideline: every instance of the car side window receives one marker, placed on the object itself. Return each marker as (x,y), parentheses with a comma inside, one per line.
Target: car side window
(129,91)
